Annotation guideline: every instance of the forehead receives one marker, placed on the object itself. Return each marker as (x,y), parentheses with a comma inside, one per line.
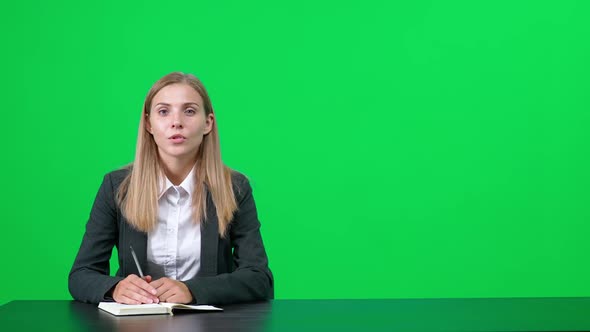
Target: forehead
(177,94)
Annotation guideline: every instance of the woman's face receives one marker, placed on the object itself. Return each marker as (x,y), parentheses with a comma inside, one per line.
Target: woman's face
(177,121)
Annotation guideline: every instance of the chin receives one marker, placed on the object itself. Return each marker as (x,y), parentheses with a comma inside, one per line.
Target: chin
(180,153)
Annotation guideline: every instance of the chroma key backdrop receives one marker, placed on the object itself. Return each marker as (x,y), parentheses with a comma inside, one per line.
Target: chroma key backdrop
(397,149)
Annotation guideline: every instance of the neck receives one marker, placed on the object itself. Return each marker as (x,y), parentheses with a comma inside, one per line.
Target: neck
(177,169)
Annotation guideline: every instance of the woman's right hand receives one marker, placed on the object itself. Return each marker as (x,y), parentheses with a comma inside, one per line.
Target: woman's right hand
(135,290)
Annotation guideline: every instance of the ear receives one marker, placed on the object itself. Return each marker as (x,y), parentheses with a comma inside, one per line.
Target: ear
(209,123)
(148,125)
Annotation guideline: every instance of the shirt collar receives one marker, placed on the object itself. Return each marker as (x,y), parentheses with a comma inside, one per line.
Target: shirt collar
(187,184)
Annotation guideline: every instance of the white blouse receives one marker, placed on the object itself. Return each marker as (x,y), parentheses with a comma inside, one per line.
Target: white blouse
(174,246)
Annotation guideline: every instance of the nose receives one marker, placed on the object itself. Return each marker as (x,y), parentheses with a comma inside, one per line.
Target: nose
(176,121)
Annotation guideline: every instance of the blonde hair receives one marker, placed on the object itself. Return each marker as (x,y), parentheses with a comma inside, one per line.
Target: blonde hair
(138,193)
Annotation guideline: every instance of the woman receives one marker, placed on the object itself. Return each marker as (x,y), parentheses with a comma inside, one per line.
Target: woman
(190,219)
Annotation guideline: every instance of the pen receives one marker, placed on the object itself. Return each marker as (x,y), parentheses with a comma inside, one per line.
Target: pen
(136,262)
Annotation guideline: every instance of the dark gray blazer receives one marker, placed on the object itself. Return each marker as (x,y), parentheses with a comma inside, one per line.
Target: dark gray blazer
(224,277)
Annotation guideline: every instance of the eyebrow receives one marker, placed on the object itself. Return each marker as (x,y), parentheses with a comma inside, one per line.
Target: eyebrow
(184,104)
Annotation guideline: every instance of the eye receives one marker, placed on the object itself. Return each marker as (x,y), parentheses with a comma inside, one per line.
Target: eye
(162,111)
(190,111)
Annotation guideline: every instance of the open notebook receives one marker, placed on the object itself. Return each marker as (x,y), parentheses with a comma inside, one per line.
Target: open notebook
(119,309)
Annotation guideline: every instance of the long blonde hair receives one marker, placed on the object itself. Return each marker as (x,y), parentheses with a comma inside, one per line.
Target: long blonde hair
(138,193)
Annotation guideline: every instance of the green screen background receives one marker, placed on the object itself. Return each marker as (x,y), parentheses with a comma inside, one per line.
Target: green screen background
(413,149)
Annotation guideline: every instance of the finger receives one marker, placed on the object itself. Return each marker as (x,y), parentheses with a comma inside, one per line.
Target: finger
(167,295)
(181,294)
(162,285)
(130,291)
(175,298)
(142,284)
(147,279)
(134,289)
(135,279)
(137,296)
(163,289)
(179,298)
(126,300)
(137,288)
(128,286)
(132,277)
(157,283)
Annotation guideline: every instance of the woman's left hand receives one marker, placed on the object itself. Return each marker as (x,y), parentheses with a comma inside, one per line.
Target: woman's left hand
(169,290)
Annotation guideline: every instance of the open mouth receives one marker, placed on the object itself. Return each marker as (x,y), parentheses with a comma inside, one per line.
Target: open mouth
(177,138)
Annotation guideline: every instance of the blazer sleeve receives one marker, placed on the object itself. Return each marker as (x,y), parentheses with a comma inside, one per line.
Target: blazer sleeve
(252,279)
(89,278)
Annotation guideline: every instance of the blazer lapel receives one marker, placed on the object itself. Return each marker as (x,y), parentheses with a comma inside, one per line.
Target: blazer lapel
(138,240)
(209,240)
